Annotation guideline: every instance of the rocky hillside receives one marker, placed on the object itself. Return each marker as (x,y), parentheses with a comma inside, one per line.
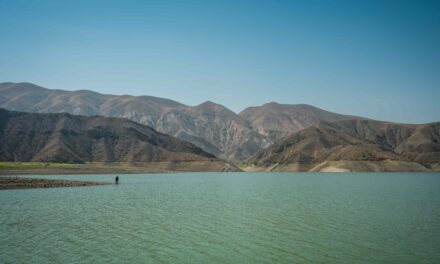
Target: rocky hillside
(210,126)
(275,121)
(359,145)
(65,137)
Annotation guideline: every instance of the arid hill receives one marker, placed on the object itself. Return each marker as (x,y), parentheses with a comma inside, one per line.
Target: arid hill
(65,137)
(354,145)
(210,126)
(275,121)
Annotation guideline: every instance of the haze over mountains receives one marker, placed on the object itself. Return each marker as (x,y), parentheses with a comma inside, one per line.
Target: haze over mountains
(268,137)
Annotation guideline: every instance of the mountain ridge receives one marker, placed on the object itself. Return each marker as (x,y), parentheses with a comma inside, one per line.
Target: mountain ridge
(275,120)
(325,140)
(209,125)
(366,143)
(62,137)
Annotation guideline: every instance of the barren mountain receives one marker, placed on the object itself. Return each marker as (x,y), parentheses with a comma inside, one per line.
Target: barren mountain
(359,145)
(276,121)
(28,97)
(225,133)
(219,131)
(210,126)
(65,137)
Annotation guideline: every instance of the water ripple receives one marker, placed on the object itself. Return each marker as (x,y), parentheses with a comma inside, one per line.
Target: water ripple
(226,218)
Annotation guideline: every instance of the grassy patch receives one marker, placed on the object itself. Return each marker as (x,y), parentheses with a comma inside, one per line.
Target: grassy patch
(242,165)
(108,167)
(18,165)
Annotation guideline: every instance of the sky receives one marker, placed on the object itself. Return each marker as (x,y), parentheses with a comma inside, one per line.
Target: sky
(378,59)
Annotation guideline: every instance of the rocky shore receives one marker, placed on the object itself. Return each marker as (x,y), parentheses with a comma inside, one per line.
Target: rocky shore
(7,183)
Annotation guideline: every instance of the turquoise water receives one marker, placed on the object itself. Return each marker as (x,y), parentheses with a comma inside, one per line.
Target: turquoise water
(226,218)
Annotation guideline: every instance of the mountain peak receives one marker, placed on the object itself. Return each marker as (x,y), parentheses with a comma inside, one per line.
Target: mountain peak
(271,103)
(211,106)
(278,105)
(208,104)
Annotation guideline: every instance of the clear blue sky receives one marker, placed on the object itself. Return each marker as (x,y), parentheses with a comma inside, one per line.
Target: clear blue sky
(379,59)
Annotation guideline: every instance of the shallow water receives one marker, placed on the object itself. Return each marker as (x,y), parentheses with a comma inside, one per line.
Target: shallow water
(226,218)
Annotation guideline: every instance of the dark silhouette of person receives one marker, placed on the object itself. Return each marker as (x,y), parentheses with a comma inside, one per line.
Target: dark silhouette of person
(117,180)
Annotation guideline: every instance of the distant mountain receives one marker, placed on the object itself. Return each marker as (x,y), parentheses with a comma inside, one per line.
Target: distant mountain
(28,97)
(357,145)
(64,137)
(213,127)
(276,121)
(210,126)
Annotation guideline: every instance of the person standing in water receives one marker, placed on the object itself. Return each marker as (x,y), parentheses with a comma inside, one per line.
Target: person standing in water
(117,180)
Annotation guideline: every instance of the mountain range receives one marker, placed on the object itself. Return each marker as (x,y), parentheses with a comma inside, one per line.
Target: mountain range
(275,121)
(211,126)
(71,138)
(355,145)
(273,136)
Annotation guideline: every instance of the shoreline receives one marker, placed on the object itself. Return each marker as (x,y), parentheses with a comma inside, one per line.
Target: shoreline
(13,183)
(39,168)
(13,169)
(344,166)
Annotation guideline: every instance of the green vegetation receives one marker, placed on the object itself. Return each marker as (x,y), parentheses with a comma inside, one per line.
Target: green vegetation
(242,165)
(62,166)
(18,165)
(110,167)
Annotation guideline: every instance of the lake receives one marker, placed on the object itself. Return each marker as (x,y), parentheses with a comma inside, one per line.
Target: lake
(226,218)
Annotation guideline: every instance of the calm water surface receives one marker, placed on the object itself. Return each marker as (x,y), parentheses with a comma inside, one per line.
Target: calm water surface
(226,218)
